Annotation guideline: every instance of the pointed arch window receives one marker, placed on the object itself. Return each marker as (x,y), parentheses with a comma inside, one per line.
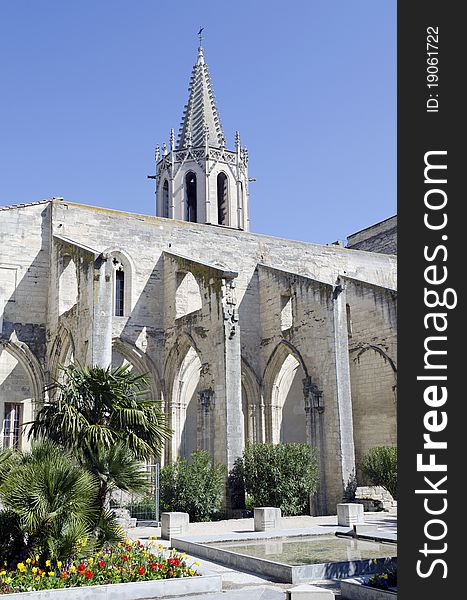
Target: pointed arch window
(165,199)
(222,199)
(191,197)
(119,292)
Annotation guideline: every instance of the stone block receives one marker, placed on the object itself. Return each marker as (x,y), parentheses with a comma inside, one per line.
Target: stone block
(267,518)
(309,592)
(124,518)
(348,514)
(174,524)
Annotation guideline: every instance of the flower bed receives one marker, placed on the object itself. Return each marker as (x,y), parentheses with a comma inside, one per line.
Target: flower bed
(124,563)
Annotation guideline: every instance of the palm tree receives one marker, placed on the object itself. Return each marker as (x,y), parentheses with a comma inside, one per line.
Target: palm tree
(52,502)
(94,408)
(116,469)
(104,417)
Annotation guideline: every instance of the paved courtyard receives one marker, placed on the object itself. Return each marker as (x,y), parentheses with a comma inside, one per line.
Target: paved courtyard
(238,585)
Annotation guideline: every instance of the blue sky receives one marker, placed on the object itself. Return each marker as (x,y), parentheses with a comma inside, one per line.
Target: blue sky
(89,87)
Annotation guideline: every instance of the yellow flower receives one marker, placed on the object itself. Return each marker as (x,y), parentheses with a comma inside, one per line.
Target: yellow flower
(72,569)
(51,573)
(34,570)
(3,572)
(196,563)
(43,574)
(21,567)
(37,557)
(59,564)
(90,560)
(7,579)
(28,561)
(37,578)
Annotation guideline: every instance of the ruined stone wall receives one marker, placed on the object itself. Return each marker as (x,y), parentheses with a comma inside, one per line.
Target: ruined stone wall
(253,310)
(24,278)
(373,365)
(24,274)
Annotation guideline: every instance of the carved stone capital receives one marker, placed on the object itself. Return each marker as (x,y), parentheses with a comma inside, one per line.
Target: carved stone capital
(313,396)
(206,399)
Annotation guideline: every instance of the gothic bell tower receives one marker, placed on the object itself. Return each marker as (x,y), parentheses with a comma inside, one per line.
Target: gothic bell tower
(197,178)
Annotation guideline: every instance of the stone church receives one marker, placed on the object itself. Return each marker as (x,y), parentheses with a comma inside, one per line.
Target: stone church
(244,337)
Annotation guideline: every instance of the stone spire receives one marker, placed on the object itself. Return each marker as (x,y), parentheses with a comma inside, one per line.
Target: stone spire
(200,114)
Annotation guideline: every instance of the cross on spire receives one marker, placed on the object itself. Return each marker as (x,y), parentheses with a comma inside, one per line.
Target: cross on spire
(200,35)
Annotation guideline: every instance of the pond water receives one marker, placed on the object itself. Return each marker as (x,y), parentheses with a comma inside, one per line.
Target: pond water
(311,550)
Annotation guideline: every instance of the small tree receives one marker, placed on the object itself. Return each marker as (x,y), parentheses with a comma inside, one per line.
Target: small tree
(380,467)
(196,488)
(281,475)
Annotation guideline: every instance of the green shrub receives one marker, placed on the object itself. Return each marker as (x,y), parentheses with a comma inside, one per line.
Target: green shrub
(281,475)
(380,467)
(196,488)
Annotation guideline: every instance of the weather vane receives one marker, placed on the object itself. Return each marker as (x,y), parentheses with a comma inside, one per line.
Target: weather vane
(200,35)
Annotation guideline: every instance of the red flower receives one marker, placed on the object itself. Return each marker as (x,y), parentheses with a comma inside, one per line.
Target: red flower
(101,564)
(160,566)
(154,566)
(125,557)
(88,574)
(64,575)
(81,568)
(174,562)
(141,570)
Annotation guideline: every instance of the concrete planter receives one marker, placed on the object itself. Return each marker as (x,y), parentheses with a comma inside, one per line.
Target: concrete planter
(164,588)
(355,589)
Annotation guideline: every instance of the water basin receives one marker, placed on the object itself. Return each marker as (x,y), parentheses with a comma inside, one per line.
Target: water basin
(311,550)
(296,559)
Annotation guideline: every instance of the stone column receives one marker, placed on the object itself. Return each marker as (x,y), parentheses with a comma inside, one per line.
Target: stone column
(261,433)
(233,379)
(343,388)
(175,410)
(252,423)
(205,420)
(103,312)
(314,411)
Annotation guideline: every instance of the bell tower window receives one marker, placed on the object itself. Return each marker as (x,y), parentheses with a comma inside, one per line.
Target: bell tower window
(222,199)
(191,197)
(165,199)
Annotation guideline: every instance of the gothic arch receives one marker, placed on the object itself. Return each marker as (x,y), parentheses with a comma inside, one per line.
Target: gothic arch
(22,353)
(62,351)
(141,362)
(123,276)
(165,199)
(252,405)
(183,373)
(284,395)
(21,389)
(191,197)
(223,198)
